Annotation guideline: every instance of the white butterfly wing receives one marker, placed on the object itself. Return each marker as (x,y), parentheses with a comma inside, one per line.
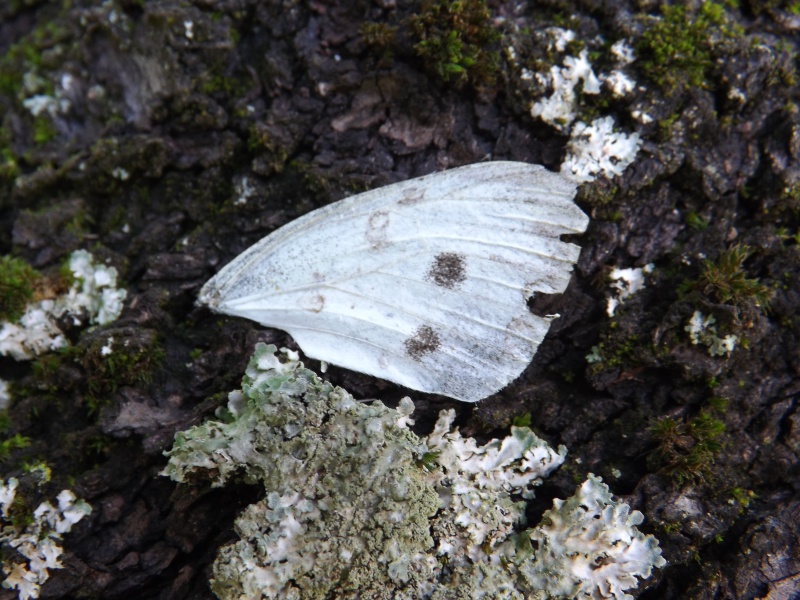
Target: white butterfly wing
(424,283)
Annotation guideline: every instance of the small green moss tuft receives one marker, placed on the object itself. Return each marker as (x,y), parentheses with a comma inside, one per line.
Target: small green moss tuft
(687,448)
(726,280)
(15,442)
(111,363)
(43,130)
(718,403)
(9,168)
(757,7)
(670,527)
(522,420)
(97,448)
(456,40)
(380,37)
(743,497)
(17,283)
(429,461)
(20,514)
(695,221)
(617,350)
(47,372)
(40,469)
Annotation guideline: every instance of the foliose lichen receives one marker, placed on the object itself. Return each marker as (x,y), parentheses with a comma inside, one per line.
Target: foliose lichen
(588,547)
(357,505)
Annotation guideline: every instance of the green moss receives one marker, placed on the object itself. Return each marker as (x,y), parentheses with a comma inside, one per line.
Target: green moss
(678,50)
(26,55)
(15,442)
(695,221)
(380,37)
(9,168)
(20,514)
(43,130)
(272,151)
(131,361)
(665,126)
(743,497)
(17,282)
(97,448)
(40,469)
(726,280)
(687,448)
(217,83)
(522,420)
(599,197)
(759,6)
(670,527)
(456,40)
(616,351)
(717,403)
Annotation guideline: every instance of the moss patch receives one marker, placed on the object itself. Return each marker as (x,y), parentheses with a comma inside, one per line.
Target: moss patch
(456,40)
(678,50)
(17,282)
(726,280)
(687,448)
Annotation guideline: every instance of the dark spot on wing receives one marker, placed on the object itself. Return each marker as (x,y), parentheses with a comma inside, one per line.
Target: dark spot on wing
(376,229)
(424,341)
(448,270)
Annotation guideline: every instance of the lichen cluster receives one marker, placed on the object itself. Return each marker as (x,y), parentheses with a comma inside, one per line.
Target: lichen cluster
(702,330)
(595,147)
(357,505)
(37,540)
(93,297)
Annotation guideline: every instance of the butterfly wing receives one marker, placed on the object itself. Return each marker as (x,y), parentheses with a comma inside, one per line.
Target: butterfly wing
(424,283)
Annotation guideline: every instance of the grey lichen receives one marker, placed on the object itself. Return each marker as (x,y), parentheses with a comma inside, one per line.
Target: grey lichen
(358,506)
(347,508)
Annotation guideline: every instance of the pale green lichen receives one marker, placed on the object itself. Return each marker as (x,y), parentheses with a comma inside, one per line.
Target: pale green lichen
(589,543)
(347,508)
(358,506)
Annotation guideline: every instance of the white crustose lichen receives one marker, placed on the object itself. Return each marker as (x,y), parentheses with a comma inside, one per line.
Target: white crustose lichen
(702,330)
(594,148)
(93,296)
(38,542)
